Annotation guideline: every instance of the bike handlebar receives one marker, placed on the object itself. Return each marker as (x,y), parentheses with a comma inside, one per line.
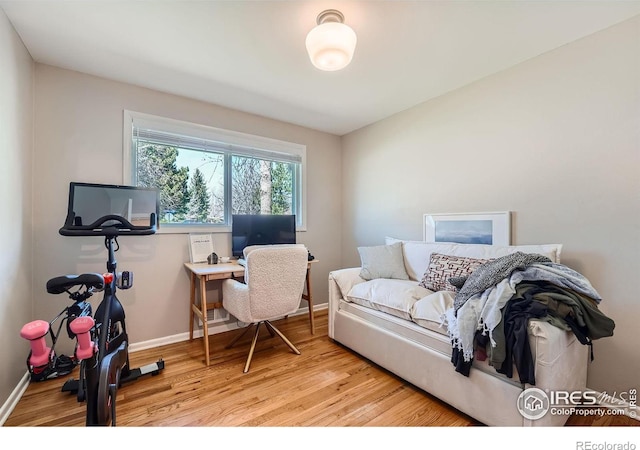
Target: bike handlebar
(98,228)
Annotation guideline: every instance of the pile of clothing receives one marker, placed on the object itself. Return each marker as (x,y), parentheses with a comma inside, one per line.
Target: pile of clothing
(493,306)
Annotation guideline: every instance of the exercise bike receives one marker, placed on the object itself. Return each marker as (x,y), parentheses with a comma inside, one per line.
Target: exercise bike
(43,362)
(102,340)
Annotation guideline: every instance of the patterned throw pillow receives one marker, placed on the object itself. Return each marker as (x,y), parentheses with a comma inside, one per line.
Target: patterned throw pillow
(442,267)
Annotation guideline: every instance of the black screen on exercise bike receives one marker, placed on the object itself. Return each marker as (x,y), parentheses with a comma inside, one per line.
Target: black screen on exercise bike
(89,202)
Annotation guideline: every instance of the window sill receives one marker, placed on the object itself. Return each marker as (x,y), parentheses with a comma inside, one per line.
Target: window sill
(181,229)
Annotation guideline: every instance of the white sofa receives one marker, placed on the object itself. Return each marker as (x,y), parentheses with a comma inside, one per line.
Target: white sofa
(391,323)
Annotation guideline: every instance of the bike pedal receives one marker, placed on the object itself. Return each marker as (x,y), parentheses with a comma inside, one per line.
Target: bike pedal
(70,386)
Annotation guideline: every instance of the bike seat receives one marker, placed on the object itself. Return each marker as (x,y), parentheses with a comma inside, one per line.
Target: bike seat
(61,284)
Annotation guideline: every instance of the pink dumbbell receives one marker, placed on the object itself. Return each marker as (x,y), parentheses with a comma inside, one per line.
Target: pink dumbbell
(81,327)
(35,333)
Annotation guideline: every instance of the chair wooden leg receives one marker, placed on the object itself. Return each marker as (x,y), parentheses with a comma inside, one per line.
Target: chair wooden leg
(239,336)
(282,336)
(253,347)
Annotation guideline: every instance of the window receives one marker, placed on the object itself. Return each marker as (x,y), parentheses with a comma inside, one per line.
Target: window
(205,174)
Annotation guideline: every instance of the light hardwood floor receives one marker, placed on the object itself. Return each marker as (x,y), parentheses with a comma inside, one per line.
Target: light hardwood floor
(327,385)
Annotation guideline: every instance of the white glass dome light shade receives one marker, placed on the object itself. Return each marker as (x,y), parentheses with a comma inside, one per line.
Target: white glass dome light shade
(331,45)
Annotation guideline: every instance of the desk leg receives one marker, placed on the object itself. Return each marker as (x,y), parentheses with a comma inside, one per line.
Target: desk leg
(192,302)
(309,298)
(205,326)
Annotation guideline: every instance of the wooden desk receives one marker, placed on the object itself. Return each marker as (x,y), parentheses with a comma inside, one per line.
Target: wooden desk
(307,296)
(202,272)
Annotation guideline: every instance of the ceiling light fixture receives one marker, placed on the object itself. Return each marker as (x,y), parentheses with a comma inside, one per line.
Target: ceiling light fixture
(331,44)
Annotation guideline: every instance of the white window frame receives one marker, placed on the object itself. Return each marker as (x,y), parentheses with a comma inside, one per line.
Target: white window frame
(226,139)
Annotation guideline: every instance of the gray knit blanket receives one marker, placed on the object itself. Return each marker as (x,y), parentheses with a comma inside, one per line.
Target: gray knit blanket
(492,272)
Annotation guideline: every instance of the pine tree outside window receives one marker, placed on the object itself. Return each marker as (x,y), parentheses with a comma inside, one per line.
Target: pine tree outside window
(205,175)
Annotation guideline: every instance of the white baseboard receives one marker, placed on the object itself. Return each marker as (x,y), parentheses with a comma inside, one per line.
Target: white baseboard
(14,398)
(215,326)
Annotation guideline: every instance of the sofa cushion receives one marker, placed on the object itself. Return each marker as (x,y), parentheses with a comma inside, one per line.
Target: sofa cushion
(382,261)
(417,254)
(395,297)
(428,312)
(346,279)
(442,267)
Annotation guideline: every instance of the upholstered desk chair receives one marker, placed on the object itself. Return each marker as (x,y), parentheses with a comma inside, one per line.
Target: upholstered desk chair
(273,284)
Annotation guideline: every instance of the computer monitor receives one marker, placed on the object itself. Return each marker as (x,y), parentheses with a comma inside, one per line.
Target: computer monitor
(261,229)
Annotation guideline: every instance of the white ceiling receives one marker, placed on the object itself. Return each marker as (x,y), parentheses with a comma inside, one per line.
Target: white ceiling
(250,55)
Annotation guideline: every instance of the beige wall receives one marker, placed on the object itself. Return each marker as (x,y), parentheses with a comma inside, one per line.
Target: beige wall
(556,140)
(78,137)
(16,156)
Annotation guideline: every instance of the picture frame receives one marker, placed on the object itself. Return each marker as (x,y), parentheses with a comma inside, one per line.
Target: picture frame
(489,228)
(200,247)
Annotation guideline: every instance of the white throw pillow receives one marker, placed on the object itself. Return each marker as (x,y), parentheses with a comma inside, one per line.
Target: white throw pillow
(382,261)
(394,297)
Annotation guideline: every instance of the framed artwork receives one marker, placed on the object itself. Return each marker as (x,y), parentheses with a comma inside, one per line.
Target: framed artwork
(491,228)
(200,247)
